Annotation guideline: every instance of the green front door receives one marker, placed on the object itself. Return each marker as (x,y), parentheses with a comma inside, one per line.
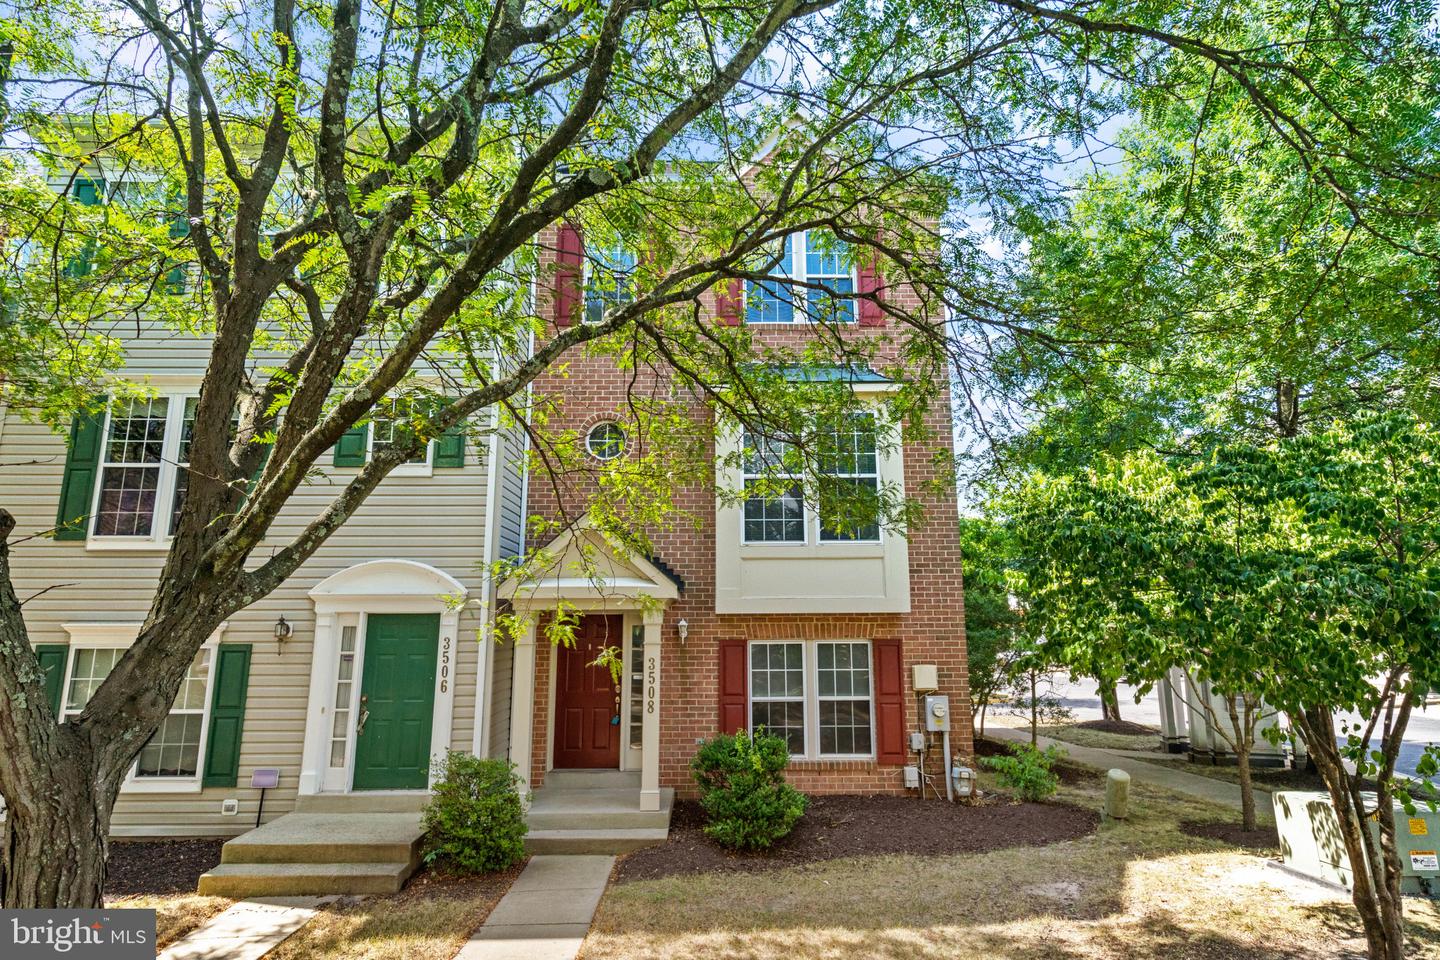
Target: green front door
(397,702)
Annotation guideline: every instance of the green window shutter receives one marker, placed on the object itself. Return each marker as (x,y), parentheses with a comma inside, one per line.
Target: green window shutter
(450,447)
(52,661)
(87,192)
(350,450)
(82,467)
(260,468)
(227,715)
(175,280)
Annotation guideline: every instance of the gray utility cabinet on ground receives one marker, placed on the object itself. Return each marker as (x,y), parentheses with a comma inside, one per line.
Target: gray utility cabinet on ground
(1311,842)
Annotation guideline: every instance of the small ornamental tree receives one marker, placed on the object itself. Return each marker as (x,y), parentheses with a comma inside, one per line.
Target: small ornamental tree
(1303,573)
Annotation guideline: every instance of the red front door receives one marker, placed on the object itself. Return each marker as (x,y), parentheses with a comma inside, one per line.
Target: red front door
(586,731)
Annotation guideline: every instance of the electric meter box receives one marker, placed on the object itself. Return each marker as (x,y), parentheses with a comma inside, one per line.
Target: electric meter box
(1308,828)
(937,714)
(925,677)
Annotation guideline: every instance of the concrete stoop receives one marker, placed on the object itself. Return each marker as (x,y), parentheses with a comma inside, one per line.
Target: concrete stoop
(594,812)
(319,853)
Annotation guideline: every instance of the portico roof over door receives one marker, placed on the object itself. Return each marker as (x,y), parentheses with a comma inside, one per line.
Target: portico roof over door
(584,568)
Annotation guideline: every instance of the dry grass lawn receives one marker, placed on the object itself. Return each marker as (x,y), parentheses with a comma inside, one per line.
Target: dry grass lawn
(1082,737)
(175,914)
(428,920)
(1141,889)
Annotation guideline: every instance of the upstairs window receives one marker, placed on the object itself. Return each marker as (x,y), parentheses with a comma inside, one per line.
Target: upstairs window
(143,472)
(608,282)
(850,483)
(394,423)
(775,510)
(809,257)
(772,516)
(771,302)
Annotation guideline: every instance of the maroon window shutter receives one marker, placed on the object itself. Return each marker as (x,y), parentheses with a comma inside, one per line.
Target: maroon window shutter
(870,291)
(733,688)
(889,702)
(569,269)
(729,301)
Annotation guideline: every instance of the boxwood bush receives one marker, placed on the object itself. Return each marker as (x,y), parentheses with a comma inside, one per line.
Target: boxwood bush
(748,805)
(474,822)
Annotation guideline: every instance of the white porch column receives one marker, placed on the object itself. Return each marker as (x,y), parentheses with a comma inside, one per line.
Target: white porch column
(1174,731)
(650,722)
(522,703)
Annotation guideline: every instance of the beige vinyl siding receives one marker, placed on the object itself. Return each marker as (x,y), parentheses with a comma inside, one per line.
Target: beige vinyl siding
(438,520)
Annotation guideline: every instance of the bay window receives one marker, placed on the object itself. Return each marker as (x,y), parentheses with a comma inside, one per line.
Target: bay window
(772,515)
(817,695)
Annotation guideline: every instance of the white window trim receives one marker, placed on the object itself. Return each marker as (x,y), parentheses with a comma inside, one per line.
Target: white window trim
(159,537)
(810,675)
(797,274)
(811,511)
(426,469)
(120,636)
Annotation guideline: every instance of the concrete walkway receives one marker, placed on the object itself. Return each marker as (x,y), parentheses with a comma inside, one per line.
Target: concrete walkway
(247,931)
(547,912)
(1205,788)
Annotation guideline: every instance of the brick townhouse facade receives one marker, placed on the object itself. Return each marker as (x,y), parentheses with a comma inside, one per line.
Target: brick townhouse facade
(840,654)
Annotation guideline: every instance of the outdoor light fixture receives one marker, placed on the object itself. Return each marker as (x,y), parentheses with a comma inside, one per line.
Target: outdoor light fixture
(683,628)
(283,631)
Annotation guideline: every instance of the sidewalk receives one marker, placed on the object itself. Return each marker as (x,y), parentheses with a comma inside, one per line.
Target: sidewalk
(1205,788)
(547,912)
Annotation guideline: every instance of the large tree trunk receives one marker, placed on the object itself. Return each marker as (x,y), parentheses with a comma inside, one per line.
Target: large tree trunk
(1375,888)
(55,836)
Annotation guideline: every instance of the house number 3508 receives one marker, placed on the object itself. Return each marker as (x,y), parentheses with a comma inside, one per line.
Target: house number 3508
(650,684)
(445,665)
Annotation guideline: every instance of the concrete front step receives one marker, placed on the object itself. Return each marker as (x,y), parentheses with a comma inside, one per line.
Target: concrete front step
(329,838)
(591,779)
(248,880)
(362,802)
(593,841)
(554,809)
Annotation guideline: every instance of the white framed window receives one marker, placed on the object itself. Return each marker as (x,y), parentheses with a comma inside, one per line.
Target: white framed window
(608,281)
(772,515)
(777,692)
(143,470)
(606,440)
(775,509)
(172,760)
(850,465)
(818,695)
(808,257)
(394,424)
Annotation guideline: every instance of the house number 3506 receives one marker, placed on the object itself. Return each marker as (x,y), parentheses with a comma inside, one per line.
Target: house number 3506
(445,665)
(650,684)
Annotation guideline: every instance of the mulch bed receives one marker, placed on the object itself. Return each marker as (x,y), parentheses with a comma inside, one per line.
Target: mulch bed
(1118,726)
(158,866)
(1232,833)
(848,826)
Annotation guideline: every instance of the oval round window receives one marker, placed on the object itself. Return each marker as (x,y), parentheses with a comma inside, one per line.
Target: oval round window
(606,441)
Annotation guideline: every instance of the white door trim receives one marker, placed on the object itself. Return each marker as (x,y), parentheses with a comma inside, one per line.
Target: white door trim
(377,586)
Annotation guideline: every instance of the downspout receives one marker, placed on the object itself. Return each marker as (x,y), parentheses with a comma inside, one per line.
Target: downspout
(485,670)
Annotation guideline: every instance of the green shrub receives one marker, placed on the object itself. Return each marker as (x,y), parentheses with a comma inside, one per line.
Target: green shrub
(747,802)
(475,822)
(1027,770)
